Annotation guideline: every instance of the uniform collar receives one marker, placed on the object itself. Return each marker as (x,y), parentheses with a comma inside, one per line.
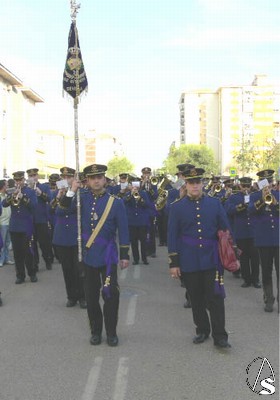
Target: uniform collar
(97,196)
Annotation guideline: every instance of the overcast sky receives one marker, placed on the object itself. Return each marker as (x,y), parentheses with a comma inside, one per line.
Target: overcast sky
(139,56)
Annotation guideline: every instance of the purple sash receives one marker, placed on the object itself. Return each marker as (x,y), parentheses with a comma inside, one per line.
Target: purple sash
(219,279)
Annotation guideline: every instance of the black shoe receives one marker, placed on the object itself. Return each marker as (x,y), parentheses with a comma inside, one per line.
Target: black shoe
(161,244)
(223,343)
(200,338)
(19,281)
(83,303)
(112,340)
(71,303)
(153,255)
(145,262)
(257,285)
(95,339)
(187,304)
(48,265)
(33,278)
(245,284)
(135,263)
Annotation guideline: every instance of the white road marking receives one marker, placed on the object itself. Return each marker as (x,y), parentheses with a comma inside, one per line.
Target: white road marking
(121,379)
(131,311)
(136,273)
(92,379)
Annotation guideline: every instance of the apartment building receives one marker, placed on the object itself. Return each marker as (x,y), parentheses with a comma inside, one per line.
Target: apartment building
(226,118)
(17,130)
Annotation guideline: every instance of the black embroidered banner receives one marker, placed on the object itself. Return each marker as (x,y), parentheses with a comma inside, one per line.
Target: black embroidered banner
(74,76)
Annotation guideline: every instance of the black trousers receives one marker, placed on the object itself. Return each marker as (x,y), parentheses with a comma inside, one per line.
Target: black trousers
(94,279)
(138,234)
(42,235)
(201,288)
(162,227)
(23,254)
(73,279)
(151,238)
(249,260)
(269,256)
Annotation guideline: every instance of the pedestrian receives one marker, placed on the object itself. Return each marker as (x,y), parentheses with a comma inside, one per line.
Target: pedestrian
(102,216)
(194,221)
(42,228)
(66,245)
(236,207)
(264,208)
(23,203)
(4,227)
(137,204)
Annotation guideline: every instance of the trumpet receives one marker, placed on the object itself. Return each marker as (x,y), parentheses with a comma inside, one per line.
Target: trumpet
(209,184)
(154,180)
(268,199)
(218,188)
(136,195)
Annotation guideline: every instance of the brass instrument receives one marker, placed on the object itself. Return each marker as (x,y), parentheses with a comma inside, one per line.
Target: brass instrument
(154,180)
(209,184)
(136,195)
(218,188)
(162,194)
(268,199)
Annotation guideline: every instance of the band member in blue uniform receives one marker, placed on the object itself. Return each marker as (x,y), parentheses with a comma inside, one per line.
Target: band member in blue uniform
(264,207)
(102,217)
(23,203)
(42,229)
(137,206)
(53,178)
(65,242)
(236,207)
(151,189)
(174,194)
(194,221)
(123,186)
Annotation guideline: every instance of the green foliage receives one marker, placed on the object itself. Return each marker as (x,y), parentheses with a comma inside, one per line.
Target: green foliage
(245,157)
(118,165)
(199,155)
(253,158)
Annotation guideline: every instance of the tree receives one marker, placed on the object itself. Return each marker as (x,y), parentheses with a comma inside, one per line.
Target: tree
(198,155)
(245,157)
(118,165)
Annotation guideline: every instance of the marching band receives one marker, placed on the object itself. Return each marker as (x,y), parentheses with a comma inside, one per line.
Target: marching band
(140,209)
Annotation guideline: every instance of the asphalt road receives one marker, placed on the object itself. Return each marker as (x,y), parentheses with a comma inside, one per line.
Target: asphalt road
(45,352)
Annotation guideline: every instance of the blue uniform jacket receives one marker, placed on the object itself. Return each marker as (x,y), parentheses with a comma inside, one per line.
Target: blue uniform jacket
(138,213)
(22,215)
(238,213)
(65,228)
(41,211)
(173,194)
(265,220)
(96,255)
(192,232)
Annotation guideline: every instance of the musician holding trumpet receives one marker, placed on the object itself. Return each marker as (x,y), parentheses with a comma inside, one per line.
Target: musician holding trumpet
(137,204)
(23,202)
(264,207)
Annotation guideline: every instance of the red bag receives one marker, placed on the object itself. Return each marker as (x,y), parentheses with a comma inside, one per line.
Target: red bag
(228,252)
